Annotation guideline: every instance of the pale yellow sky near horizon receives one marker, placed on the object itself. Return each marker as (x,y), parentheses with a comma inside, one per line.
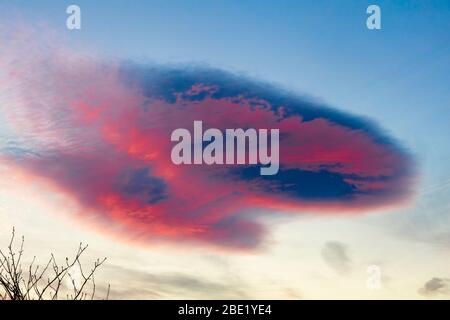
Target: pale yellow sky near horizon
(289,266)
(398,77)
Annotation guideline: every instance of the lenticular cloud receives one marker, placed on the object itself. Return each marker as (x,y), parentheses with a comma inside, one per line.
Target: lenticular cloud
(100,132)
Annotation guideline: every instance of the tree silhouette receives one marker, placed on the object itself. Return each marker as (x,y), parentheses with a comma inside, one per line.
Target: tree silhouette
(47,282)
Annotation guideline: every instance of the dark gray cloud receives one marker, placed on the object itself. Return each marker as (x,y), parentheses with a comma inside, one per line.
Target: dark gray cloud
(436,286)
(335,254)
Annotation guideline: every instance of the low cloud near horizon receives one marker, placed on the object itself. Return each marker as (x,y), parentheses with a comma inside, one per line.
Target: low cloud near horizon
(436,286)
(336,256)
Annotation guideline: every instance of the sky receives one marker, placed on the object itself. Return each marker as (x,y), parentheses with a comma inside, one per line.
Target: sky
(304,243)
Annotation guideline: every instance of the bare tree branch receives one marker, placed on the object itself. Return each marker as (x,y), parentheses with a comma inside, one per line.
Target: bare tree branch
(48,281)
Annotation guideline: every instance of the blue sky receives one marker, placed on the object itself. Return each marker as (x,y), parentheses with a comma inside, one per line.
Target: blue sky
(320,49)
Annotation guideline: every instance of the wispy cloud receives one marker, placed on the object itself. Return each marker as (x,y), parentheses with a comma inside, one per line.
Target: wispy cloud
(335,254)
(130,283)
(436,286)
